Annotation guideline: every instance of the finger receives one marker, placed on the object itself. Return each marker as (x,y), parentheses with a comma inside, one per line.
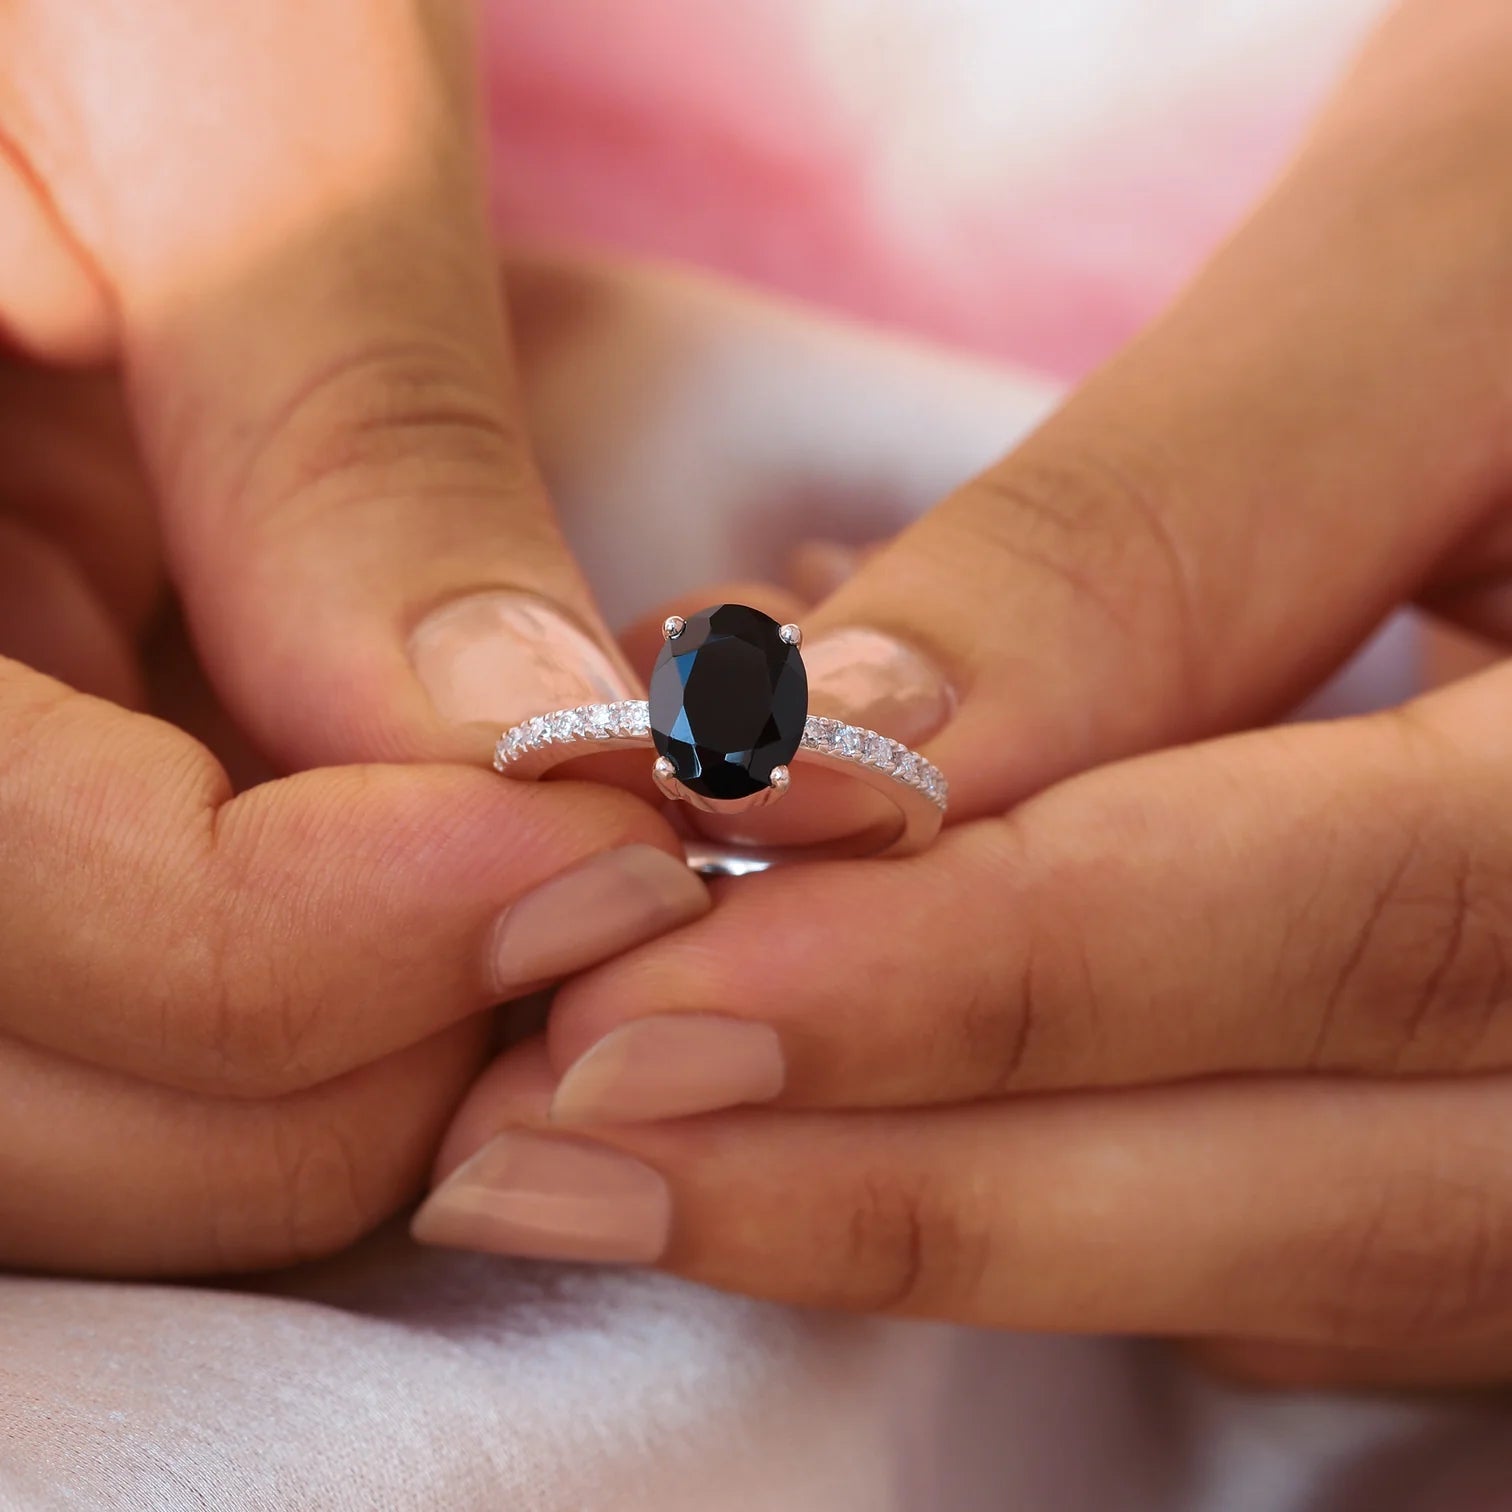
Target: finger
(102,1174)
(52,302)
(52,620)
(817,569)
(71,473)
(269,941)
(1317,898)
(1211,523)
(314,339)
(1319,1367)
(1349,1214)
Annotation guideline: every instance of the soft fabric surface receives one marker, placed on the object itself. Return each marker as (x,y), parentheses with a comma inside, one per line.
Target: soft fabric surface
(396,1378)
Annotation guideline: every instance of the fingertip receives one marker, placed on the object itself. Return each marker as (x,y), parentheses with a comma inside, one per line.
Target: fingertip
(513,1091)
(815,569)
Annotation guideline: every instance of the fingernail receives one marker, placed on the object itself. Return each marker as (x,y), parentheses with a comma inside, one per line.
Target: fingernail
(497,658)
(867,678)
(552,1199)
(598,909)
(669,1066)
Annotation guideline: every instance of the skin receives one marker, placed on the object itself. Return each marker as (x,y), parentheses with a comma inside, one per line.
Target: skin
(235,1019)
(1210,1038)
(1208,1041)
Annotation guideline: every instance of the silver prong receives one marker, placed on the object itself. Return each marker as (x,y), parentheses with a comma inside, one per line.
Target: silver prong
(665,775)
(781,780)
(672,627)
(792,635)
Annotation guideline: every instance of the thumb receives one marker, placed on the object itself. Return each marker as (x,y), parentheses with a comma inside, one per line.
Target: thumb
(1217,518)
(316,351)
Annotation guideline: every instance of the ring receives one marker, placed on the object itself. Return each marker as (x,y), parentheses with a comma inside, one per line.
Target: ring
(728,717)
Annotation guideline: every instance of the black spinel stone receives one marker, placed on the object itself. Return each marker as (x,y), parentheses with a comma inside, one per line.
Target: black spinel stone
(728,701)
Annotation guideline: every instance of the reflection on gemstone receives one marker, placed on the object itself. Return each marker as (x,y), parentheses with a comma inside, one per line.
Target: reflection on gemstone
(728,701)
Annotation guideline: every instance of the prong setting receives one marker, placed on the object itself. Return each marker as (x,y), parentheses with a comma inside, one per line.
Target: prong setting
(791,635)
(664,773)
(673,626)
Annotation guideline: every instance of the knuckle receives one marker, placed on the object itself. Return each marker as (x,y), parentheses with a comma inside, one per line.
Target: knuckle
(242,1022)
(286,1180)
(366,427)
(267,990)
(297,1189)
(912,1255)
(1423,976)
(255,1033)
(1031,1001)
(1428,1262)
(1097,519)
(1459,988)
(998,1026)
(323,1198)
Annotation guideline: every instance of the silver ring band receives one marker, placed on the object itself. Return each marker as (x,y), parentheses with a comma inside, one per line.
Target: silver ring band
(916,788)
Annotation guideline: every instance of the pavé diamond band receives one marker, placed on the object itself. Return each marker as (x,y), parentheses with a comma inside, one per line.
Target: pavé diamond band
(727,716)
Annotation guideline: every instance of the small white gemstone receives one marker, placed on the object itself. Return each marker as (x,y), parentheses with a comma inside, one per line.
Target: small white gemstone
(849,741)
(878,750)
(513,744)
(535,731)
(600,722)
(562,725)
(934,784)
(906,768)
(819,733)
(636,719)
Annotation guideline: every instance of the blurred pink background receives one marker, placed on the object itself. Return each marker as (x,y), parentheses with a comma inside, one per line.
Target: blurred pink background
(1026,180)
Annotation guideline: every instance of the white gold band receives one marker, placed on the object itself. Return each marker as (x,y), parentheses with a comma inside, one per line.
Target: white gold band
(916,787)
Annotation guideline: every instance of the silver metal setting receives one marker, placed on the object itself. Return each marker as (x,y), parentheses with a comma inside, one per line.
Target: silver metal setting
(792,636)
(673,626)
(916,787)
(664,774)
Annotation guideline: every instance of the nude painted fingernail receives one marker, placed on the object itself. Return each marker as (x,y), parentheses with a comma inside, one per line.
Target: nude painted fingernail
(497,658)
(552,1199)
(596,910)
(668,1066)
(867,678)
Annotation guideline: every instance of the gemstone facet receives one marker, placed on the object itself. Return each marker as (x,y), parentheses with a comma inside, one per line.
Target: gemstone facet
(728,701)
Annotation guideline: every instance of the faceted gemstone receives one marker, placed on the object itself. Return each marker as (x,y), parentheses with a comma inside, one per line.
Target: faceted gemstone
(728,700)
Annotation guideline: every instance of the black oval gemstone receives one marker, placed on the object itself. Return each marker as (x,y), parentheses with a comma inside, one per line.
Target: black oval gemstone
(728,700)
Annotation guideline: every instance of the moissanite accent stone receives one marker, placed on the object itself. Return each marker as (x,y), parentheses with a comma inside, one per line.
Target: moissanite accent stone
(729,698)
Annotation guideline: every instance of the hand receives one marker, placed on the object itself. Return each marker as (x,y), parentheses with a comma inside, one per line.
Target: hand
(232,1026)
(1210,1043)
